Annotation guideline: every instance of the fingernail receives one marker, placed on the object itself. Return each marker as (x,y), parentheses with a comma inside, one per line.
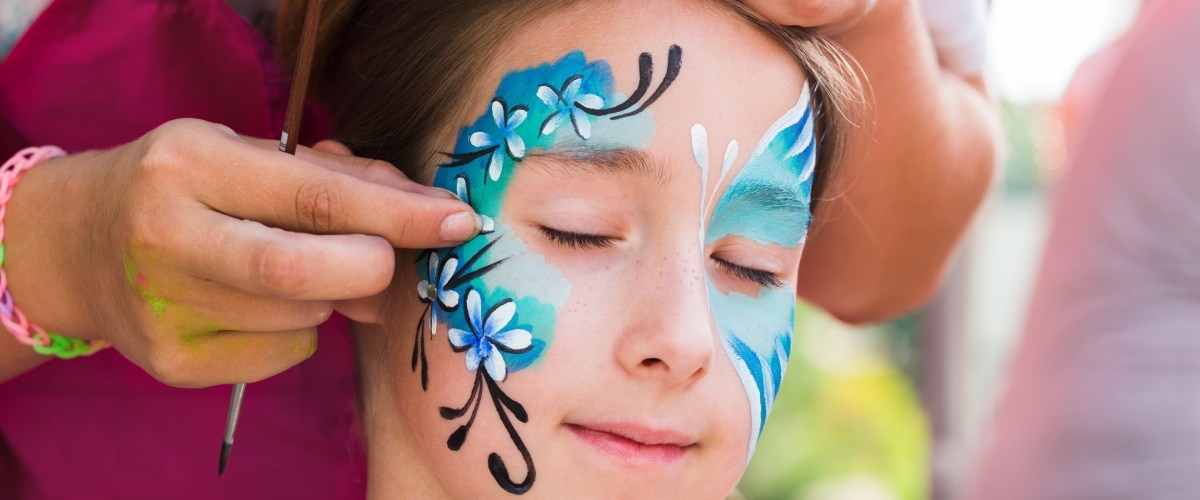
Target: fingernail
(461,226)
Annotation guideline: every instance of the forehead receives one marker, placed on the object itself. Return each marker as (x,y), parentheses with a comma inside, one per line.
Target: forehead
(735,80)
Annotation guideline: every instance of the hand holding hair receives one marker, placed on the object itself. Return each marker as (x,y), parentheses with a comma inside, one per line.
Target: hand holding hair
(832,16)
(862,262)
(207,258)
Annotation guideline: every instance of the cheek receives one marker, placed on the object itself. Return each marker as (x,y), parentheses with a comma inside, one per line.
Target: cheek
(757,335)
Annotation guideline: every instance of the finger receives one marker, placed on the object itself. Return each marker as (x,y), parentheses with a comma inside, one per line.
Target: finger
(363,310)
(291,193)
(231,357)
(811,13)
(213,303)
(271,262)
(338,157)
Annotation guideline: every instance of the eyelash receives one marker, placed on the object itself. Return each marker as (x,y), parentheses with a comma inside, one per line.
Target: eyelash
(576,240)
(759,276)
(592,241)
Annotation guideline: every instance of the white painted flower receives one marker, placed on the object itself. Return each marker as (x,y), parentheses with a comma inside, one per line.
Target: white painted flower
(434,289)
(507,141)
(566,106)
(489,336)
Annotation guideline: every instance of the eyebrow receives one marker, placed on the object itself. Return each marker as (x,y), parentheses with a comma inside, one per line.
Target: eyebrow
(621,161)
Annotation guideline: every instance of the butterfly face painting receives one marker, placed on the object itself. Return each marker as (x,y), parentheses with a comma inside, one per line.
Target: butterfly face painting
(606,227)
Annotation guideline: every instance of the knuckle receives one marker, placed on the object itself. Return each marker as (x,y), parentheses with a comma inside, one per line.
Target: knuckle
(382,167)
(151,232)
(278,269)
(316,207)
(171,366)
(166,147)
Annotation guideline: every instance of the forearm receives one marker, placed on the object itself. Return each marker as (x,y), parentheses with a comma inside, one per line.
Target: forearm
(916,169)
(38,229)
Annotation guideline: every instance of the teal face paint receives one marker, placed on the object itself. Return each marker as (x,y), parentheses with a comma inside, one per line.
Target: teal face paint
(767,203)
(499,301)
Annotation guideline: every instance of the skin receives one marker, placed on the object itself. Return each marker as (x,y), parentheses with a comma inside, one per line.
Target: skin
(883,242)
(636,341)
(906,195)
(204,257)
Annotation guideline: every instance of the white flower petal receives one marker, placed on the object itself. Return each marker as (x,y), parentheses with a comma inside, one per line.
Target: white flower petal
(547,95)
(516,146)
(496,165)
(422,290)
(516,118)
(463,193)
(499,318)
(448,271)
(514,340)
(475,310)
(494,363)
(583,127)
(473,358)
(592,101)
(461,338)
(498,114)
(448,298)
(433,266)
(552,123)
(572,89)
(481,140)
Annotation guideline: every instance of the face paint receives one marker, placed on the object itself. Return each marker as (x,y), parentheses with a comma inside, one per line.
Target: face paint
(498,300)
(767,203)
(137,281)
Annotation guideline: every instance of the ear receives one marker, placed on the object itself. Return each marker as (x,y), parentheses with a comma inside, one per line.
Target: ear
(332,146)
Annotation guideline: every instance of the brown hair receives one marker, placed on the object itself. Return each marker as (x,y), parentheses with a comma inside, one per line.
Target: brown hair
(389,70)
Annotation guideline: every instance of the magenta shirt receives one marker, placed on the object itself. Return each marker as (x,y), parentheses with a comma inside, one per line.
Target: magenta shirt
(97,73)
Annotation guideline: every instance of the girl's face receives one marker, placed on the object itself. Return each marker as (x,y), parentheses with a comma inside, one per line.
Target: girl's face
(622,325)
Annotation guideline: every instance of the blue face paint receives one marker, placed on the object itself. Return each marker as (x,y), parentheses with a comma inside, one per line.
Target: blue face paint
(499,301)
(768,203)
(541,108)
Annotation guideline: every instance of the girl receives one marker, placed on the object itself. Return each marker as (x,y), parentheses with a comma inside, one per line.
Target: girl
(646,172)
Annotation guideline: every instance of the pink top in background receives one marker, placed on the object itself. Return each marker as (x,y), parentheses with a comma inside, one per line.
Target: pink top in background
(94,74)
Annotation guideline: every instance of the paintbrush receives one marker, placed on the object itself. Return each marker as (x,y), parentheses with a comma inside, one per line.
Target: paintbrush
(287,144)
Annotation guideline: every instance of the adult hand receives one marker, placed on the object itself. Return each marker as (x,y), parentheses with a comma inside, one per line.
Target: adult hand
(832,16)
(207,258)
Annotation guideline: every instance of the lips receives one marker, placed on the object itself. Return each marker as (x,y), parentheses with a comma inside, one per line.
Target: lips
(634,442)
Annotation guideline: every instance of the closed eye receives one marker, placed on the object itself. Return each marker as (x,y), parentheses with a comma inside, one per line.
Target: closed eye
(576,240)
(759,276)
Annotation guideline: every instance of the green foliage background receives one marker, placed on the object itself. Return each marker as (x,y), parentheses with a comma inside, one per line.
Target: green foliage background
(847,423)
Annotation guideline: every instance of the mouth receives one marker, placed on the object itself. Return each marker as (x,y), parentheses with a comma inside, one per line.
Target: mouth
(634,443)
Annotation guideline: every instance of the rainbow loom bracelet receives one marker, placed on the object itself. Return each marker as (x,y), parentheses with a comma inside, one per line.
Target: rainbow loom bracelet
(51,344)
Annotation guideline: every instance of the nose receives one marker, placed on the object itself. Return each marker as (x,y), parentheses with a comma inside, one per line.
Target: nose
(669,336)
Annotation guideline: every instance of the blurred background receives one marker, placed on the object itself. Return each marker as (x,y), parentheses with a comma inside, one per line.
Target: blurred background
(899,410)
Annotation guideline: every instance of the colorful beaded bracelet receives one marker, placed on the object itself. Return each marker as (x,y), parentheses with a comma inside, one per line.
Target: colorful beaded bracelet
(51,344)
